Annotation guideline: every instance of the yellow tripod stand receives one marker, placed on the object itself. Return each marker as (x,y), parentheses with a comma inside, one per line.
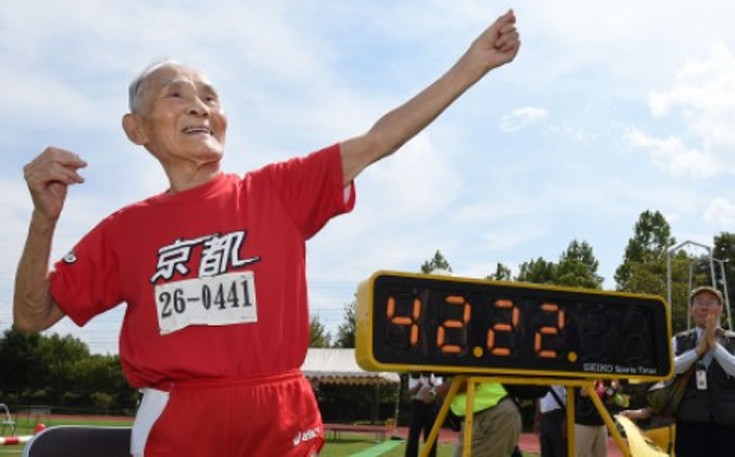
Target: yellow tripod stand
(471,381)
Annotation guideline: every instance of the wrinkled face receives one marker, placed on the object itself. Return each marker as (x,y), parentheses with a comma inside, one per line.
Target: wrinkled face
(181,118)
(704,304)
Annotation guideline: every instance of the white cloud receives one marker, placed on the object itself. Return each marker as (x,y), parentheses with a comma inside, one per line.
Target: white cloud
(575,133)
(703,97)
(720,214)
(521,118)
(701,86)
(418,181)
(673,155)
(506,238)
(15,204)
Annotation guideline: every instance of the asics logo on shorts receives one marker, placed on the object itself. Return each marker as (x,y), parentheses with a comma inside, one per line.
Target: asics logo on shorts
(306,435)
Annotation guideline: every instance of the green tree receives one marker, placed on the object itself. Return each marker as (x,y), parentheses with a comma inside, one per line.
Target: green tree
(318,335)
(126,397)
(650,244)
(21,366)
(59,354)
(93,372)
(502,273)
(60,371)
(436,263)
(346,330)
(539,271)
(577,267)
(102,401)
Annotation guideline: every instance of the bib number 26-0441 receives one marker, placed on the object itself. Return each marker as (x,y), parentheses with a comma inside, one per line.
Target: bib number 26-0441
(218,300)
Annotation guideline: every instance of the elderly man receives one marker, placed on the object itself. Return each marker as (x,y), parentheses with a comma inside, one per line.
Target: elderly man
(212,270)
(705,420)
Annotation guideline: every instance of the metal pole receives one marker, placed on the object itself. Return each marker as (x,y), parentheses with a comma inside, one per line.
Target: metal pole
(397,409)
(668,271)
(723,280)
(689,292)
(668,281)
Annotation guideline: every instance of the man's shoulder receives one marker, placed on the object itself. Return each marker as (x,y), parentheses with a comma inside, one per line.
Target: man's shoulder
(326,154)
(686,339)
(685,333)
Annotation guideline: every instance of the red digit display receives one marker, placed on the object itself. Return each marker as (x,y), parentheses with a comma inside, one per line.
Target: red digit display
(538,344)
(409,321)
(458,326)
(503,329)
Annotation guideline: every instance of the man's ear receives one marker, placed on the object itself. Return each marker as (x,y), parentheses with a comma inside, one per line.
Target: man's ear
(133,129)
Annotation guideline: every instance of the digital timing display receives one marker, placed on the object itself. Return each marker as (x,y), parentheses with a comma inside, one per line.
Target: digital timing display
(418,322)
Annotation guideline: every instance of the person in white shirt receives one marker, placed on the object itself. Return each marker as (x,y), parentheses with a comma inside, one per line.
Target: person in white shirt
(421,387)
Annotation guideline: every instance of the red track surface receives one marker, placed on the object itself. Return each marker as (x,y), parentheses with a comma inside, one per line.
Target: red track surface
(528,441)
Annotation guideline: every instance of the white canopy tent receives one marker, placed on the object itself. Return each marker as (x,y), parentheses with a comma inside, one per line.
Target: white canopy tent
(338,366)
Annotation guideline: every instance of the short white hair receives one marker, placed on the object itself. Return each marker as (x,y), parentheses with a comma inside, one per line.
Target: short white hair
(135,89)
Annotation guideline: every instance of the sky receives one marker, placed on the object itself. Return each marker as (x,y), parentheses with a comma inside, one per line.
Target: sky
(610,109)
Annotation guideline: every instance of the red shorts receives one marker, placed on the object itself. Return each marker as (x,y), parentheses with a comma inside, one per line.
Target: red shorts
(264,416)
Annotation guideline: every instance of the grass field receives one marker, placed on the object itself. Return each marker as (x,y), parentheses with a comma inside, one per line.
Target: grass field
(346,445)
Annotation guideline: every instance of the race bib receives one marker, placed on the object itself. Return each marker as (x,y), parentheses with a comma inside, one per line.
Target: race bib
(217,300)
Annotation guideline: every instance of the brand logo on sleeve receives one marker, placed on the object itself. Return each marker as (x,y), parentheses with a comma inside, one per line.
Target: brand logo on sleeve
(69,258)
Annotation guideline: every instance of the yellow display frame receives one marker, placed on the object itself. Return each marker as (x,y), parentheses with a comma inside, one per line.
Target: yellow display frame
(364,331)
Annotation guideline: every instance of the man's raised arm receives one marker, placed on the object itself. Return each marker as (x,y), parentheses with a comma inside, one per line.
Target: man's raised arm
(48,177)
(495,46)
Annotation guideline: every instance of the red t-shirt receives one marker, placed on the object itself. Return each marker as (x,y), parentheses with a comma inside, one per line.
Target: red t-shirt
(213,277)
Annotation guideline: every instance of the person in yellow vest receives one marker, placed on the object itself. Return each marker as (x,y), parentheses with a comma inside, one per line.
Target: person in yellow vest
(496,422)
